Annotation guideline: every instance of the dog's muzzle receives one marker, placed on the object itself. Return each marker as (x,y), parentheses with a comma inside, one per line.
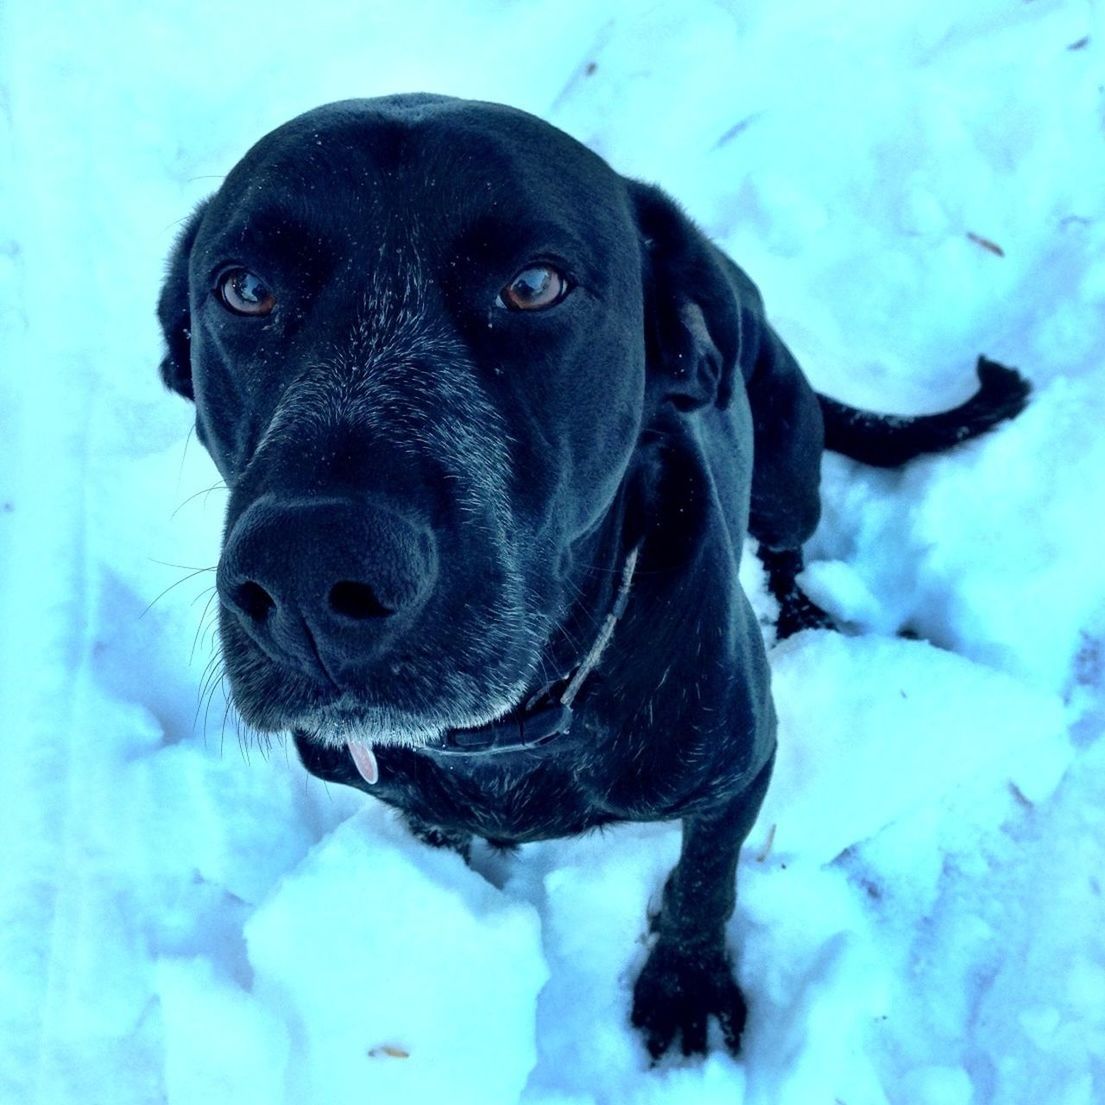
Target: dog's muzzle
(328,584)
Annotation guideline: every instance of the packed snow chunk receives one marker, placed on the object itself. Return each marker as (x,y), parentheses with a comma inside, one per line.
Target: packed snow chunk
(991,549)
(402,975)
(218,820)
(1036,505)
(871,729)
(597,897)
(935,1085)
(817,982)
(835,585)
(220,1044)
(1039,1015)
(714,1080)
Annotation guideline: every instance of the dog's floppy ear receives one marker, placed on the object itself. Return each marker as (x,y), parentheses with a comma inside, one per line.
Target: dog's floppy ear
(173,312)
(692,323)
(706,334)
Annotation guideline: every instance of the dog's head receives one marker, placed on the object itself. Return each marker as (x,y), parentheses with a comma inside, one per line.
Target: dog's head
(425,339)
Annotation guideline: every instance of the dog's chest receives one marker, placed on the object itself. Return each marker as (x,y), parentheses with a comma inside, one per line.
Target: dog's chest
(511,798)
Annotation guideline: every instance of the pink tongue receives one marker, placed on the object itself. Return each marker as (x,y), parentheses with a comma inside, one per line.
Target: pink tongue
(365,760)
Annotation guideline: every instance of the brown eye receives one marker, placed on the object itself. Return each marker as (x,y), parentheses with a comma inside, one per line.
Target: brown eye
(534,289)
(245,293)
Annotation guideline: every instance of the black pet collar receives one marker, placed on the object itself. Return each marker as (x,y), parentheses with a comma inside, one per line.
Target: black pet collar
(547,714)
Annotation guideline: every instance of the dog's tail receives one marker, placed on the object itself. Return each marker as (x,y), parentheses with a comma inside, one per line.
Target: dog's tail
(887,441)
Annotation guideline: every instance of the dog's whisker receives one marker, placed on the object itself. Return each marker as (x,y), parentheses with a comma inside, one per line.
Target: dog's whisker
(215,681)
(220,486)
(172,587)
(210,592)
(184,567)
(209,678)
(204,621)
(228,713)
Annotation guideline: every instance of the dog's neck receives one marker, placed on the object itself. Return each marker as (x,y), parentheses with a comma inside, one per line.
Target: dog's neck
(547,714)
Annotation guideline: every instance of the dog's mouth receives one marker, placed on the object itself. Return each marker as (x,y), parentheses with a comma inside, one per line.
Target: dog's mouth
(349,723)
(360,731)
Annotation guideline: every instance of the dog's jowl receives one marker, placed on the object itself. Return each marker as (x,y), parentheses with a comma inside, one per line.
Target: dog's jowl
(496,422)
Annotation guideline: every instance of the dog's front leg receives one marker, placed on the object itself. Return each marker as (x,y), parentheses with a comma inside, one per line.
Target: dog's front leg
(688,976)
(437,837)
(797,611)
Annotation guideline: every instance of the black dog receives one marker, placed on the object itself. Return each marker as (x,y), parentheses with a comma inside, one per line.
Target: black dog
(496,421)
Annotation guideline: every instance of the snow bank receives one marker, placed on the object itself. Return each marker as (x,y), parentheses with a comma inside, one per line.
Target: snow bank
(401,973)
(1021,588)
(921,722)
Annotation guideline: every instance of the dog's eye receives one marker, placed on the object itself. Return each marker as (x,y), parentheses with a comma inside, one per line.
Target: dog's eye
(245,293)
(534,289)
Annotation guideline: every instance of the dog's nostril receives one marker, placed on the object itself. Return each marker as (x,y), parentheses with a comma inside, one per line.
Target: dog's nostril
(253,600)
(356,600)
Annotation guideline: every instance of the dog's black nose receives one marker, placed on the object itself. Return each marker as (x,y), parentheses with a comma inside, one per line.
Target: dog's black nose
(326,584)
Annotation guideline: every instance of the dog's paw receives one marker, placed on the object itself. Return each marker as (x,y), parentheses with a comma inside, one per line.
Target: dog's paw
(676,994)
(797,612)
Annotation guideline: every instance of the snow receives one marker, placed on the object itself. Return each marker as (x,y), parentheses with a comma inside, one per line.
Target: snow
(185,918)
(416,1039)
